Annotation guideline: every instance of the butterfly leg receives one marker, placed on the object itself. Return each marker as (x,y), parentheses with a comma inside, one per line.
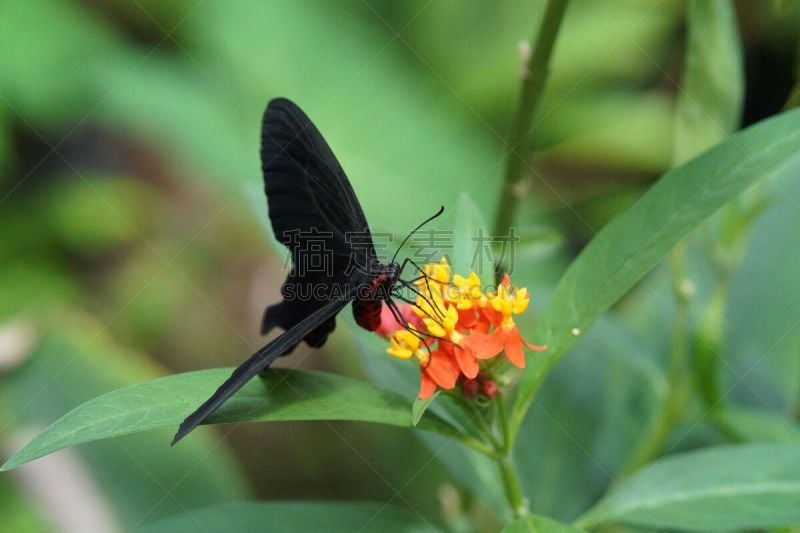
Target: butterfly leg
(398,316)
(427,278)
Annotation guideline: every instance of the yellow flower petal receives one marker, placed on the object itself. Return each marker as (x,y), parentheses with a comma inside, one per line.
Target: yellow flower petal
(434,328)
(403,344)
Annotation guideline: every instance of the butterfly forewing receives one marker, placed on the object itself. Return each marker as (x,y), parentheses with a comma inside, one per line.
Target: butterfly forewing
(315,213)
(304,183)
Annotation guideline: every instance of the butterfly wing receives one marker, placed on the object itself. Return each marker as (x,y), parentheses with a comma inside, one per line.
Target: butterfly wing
(304,182)
(313,210)
(314,213)
(259,362)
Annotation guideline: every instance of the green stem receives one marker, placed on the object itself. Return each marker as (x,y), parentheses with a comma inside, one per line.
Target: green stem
(678,380)
(513,487)
(708,346)
(485,426)
(508,472)
(504,428)
(534,76)
(478,446)
(726,255)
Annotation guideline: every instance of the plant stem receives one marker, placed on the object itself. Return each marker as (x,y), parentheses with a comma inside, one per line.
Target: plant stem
(505,462)
(708,346)
(478,446)
(504,429)
(485,426)
(513,487)
(534,75)
(678,380)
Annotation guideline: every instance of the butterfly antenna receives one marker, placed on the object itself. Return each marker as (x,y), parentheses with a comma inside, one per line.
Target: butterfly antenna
(435,216)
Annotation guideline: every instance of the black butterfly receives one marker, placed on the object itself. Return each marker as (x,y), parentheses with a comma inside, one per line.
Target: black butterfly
(315,213)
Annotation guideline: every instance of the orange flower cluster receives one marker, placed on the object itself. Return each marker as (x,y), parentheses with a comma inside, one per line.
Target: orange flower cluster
(454,326)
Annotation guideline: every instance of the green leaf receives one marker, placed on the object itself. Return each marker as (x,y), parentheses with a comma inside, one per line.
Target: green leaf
(633,243)
(758,426)
(712,89)
(732,487)
(761,341)
(419,407)
(471,251)
(165,402)
(293,516)
(585,437)
(539,524)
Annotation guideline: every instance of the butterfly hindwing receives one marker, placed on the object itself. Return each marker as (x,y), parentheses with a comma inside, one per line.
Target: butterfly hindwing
(257,363)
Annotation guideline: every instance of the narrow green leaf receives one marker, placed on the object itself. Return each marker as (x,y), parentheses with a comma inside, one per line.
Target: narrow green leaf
(712,88)
(586,436)
(419,407)
(539,524)
(634,242)
(279,396)
(293,517)
(758,426)
(731,487)
(471,250)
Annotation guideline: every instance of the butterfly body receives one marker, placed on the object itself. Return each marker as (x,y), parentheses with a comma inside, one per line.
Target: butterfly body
(367,306)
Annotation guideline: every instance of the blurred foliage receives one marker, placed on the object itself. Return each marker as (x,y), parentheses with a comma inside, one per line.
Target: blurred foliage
(133,241)
(76,362)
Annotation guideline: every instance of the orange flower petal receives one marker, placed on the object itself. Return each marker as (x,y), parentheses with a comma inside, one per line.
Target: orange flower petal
(482,325)
(426,386)
(443,369)
(534,347)
(491,316)
(466,361)
(486,346)
(467,318)
(513,348)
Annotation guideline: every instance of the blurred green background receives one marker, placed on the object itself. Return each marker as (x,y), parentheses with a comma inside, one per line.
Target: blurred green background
(134,242)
